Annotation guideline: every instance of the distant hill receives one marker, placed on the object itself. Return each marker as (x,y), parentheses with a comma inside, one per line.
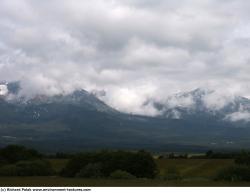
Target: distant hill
(79,121)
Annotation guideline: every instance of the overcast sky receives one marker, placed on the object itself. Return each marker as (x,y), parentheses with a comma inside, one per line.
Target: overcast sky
(132,49)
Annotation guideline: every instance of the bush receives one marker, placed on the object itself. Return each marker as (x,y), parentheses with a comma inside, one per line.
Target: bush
(243,158)
(61,155)
(34,168)
(3,162)
(91,171)
(209,154)
(120,174)
(220,155)
(140,164)
(75,164)
(172,174)
(234,173)
(8,170)
(14,153)
(27,168)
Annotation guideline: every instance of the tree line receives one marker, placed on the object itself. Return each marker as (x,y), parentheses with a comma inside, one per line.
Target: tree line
(17,160)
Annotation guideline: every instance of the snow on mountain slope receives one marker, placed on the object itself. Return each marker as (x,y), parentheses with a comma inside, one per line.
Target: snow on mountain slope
(81,119)
(201,103)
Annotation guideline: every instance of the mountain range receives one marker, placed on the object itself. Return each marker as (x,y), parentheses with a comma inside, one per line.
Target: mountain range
(187,121)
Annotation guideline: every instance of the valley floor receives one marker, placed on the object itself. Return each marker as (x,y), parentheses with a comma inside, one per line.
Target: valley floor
(195,172)
(60,182)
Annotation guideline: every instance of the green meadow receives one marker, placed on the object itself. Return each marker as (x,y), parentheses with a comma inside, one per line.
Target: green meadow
(194,172)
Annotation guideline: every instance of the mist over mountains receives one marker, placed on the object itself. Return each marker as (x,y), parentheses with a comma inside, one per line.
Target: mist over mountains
(176,106)
(133,50)
(184,121)
(125,74)
(201,101)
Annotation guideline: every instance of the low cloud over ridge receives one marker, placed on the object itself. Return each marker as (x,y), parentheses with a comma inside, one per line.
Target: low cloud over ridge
(133,50)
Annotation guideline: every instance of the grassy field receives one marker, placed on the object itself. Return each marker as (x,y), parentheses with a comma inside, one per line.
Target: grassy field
(59,181)
(58,164)
(195,168)
(195,172)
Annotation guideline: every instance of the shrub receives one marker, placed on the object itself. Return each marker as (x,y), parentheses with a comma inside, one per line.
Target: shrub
(234,173)
(34,168)
(209,154)
(27,168)
(62,155)
(91,171)
(140,164)
(120,174)
(172,174)
(3,162)
(75,164)
(243,158)
(15,153)
(8,170)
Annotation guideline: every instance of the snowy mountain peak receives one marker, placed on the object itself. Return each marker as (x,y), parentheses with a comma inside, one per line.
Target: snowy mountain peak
(204,103)
(198,93)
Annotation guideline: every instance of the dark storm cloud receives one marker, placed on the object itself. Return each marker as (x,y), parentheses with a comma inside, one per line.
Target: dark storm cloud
(134,50)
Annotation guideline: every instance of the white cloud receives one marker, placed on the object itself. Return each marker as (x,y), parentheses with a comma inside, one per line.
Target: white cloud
(180,101)
(131,100)
(124,47)
(239,116)
(3,90)
(217,100)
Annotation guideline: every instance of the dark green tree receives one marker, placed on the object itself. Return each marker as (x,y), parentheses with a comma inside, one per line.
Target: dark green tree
(139,164)
(243,158)
(15,153)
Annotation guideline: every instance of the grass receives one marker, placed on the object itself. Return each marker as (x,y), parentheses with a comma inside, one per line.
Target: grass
(195,168)
(58,164)
(195,172)
(59,181)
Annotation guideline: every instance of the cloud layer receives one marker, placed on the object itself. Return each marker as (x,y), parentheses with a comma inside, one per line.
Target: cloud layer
(133,50)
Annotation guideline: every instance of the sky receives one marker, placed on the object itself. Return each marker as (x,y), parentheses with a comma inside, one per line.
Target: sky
(126,51)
